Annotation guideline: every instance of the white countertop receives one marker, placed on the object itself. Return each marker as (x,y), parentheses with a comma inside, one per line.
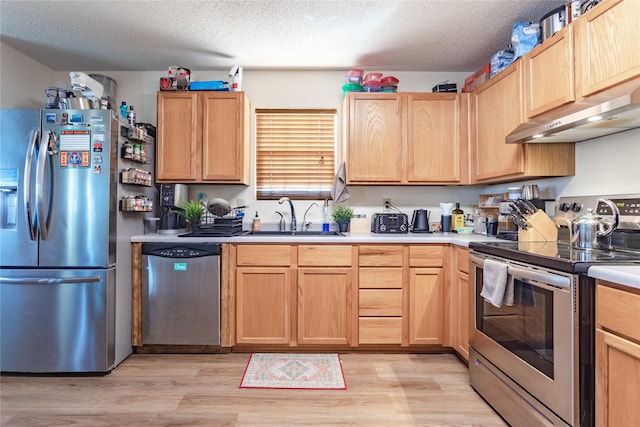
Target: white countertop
(453,238)
(628,275)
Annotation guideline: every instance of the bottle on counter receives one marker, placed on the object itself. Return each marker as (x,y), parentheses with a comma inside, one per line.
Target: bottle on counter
(457,217)
(131,116)
(255,226)
(123,110)
(325,215)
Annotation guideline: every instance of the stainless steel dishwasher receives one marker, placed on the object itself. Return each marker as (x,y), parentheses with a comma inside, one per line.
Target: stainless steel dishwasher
(181,293)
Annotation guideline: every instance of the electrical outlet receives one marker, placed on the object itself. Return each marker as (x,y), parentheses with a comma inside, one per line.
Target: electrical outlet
(386,204)
(240,202)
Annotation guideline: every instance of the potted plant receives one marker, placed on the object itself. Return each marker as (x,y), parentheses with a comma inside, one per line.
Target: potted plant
(342,215)
(192,211)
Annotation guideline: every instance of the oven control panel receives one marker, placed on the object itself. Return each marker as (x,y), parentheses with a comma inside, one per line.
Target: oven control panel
(569,208)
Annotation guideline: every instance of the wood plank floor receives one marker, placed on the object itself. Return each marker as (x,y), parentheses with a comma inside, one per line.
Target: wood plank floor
(203,390)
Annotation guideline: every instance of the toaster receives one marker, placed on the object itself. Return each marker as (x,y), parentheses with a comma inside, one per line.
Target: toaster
(390,223)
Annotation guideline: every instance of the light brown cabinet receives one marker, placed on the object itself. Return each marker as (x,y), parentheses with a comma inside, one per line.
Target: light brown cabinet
(461,302)
(606,40)
(263,294)
(497,109)
(293,295)
(203,137)
(380,294)
(548,74)
(617,355)
(324,294)
(408,138)
(426,295)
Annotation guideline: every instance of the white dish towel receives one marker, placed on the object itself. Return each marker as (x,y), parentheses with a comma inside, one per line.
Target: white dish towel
(497,283)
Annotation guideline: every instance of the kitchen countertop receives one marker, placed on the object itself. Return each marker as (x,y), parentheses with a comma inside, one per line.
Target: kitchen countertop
(453,238)
(628,275)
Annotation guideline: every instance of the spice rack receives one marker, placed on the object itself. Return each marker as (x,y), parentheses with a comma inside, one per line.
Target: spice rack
(135,151)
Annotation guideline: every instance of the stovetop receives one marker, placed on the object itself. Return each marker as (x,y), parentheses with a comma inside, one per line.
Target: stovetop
(556,255)
(560,255)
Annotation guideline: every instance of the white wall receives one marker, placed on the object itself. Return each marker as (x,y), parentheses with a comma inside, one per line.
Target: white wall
(608,165)
(22,80)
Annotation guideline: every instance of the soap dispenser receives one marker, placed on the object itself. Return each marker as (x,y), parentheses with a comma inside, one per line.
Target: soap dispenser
(256,223)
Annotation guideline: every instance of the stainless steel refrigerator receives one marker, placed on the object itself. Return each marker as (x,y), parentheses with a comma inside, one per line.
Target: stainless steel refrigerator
(62,308)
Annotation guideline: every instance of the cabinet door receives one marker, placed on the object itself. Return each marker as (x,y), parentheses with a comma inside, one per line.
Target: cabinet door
(178,137)
(324,306)
(373,138)
(606,43)
(433,132)
(223,137)
(548,74)
(426,288)
(461,319)
(262,305)
(498,111)
(617,380)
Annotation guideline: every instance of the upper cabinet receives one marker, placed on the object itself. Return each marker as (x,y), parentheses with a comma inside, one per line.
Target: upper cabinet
(548,74)
(606,46)
(404,138)
(497,109)
(203,137)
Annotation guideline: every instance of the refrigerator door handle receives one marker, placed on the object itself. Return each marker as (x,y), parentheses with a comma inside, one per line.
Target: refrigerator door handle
(50,281)
(43,219)
(26,194)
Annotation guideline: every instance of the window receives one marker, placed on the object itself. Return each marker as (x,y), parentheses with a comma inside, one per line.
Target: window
(295,153)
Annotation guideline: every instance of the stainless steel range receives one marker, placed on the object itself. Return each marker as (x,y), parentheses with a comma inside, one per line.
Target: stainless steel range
(533,360)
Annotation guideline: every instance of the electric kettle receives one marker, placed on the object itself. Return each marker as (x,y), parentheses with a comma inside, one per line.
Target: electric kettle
(589,230)
(420,221)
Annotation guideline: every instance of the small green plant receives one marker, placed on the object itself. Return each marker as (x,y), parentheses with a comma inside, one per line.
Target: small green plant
(342,214)
(192,211)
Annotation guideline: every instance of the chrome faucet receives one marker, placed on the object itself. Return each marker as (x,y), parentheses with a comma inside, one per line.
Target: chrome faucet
(294,224)
(282,226)
(305,224)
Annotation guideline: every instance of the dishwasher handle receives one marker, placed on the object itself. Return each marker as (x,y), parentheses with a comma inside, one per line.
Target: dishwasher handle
(177,250)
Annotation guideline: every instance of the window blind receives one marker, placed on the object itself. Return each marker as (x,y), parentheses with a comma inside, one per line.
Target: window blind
(295,153)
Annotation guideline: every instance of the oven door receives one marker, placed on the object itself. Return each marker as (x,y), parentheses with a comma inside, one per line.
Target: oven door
(532,341)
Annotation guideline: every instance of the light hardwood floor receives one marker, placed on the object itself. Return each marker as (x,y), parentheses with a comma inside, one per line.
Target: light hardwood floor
(203,390)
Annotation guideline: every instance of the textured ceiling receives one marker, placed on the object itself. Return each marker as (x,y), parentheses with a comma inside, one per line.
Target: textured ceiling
(427,35)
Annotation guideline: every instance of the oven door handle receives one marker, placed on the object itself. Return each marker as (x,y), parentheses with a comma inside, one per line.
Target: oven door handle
(541,278)
(537,276)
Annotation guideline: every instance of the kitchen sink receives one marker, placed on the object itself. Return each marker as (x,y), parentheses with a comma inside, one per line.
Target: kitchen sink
(269,233)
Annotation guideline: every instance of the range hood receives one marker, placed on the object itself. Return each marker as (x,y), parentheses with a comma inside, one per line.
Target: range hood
(611,111)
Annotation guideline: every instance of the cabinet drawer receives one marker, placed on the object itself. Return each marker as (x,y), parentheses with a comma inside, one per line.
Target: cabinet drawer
(380,256)
(324,255)
(380,302)
(380,330)
(618,311)
(426,256)
(376,278)
(263,255)
(462,260)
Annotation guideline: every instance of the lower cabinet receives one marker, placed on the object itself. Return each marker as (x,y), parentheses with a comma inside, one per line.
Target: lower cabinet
(324,309)
(263,294)
(461,302)
(426,325)
(617,356)
(380,294)
(262,309)
(339,295)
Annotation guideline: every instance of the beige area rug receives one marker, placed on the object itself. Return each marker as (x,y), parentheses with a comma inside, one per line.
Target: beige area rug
(294,371)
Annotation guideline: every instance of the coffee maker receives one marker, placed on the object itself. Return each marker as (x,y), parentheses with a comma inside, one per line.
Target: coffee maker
(172,197)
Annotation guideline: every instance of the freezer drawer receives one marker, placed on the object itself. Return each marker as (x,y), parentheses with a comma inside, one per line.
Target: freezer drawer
(57,320)
(181,294)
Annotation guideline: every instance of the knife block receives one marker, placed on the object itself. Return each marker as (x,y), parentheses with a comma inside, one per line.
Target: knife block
(541,228)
